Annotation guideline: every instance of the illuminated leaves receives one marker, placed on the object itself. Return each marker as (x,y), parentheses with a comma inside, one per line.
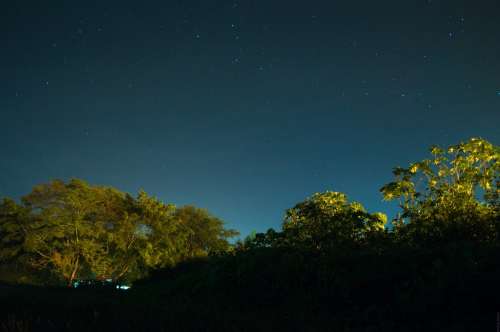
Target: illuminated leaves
(461,169)
(76,230)
(458,183)
(329,219)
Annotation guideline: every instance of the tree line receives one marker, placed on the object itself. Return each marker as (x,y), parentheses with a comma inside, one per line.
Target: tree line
(334,266)
(75,230)
(331,266)
(451,197)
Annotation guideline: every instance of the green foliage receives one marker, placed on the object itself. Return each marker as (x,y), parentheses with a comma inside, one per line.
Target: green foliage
(269,239)
(77,231)
(64,227)
(330,220)
(455,194)
(206,233)
(12,216)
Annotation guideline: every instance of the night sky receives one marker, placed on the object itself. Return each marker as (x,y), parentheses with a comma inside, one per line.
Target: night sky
(241,107)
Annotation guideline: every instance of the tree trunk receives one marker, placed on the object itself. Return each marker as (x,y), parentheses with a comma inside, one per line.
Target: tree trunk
(122,273)
(73,274)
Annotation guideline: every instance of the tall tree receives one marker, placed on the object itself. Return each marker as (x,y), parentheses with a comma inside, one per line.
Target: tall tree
(63,228)
(77,230)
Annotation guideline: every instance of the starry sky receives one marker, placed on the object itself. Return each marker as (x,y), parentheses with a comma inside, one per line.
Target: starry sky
(241,107)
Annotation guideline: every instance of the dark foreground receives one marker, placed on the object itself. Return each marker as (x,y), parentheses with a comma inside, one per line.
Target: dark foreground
(277,290)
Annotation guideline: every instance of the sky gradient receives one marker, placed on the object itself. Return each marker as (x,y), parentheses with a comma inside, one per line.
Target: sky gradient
(241,107)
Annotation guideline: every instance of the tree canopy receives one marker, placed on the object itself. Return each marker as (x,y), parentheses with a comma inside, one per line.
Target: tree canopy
(329,219)
(453,194)
(76,230)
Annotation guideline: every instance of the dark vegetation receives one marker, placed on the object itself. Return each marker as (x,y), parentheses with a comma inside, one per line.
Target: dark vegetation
(332,267)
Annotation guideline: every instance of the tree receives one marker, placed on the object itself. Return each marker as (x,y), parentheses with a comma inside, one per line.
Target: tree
(329,220)
(65,225)
(269,239)
(160,239)
(454,194)
(12,216)
(77,231)
(206,233)
(114,255)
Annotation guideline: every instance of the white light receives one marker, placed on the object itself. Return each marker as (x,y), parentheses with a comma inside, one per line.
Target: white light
(122,287)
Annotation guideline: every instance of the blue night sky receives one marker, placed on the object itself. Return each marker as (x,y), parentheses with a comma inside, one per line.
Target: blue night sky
(241,107)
